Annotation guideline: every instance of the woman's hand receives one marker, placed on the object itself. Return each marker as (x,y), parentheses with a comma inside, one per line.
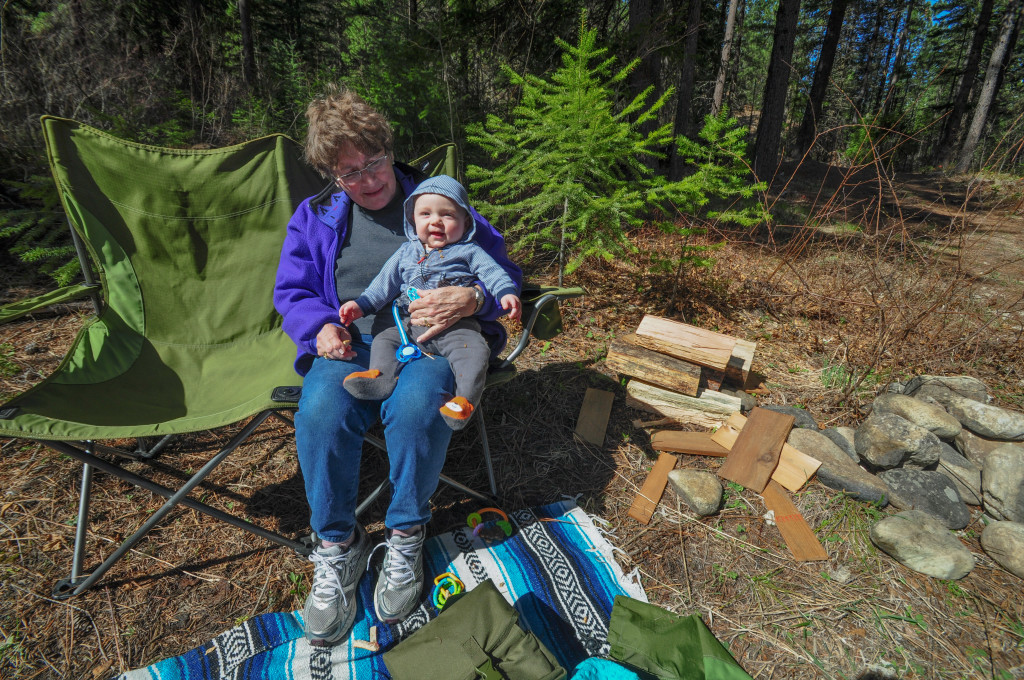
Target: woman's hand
(334,342)
(440,308)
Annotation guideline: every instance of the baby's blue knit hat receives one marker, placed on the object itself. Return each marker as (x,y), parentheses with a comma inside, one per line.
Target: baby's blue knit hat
(445,186)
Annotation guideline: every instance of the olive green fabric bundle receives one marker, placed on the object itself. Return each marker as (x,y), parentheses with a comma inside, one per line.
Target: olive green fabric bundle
(667,645)
(476,636)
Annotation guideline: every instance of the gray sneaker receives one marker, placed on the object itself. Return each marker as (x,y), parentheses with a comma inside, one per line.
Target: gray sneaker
(401,577)
(331,606)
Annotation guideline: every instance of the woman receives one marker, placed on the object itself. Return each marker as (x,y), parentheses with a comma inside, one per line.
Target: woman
(336,243)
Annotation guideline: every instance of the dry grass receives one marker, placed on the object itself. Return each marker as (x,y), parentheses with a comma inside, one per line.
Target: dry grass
(823,305)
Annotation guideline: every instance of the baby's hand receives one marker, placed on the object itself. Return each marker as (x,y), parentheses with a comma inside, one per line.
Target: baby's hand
(513,306)
(349,312)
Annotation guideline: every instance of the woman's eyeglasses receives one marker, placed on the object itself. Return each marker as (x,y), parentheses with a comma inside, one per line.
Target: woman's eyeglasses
(370,168)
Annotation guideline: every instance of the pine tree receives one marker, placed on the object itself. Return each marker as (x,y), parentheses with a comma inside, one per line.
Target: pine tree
(571,175)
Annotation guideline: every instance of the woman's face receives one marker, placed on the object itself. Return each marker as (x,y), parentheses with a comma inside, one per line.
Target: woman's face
(371,189)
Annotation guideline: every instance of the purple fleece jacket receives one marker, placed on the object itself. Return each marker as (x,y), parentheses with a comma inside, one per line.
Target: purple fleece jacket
(306,293)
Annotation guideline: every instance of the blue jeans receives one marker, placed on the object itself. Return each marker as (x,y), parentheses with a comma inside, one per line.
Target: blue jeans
(329,428)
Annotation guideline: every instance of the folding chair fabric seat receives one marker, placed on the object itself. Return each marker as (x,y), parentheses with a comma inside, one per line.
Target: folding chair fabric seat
(186,243)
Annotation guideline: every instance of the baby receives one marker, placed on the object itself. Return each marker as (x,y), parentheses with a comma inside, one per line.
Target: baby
(440,252)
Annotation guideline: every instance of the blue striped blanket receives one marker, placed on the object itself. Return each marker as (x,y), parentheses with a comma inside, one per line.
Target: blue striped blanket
(556,569)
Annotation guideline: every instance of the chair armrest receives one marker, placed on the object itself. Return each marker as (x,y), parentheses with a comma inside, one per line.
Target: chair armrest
(540,304)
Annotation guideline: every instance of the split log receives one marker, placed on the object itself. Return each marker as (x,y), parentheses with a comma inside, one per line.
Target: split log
(711,409)
(686,342)
(629,358)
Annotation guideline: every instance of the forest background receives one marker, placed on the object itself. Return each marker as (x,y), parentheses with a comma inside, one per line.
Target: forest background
(916,84)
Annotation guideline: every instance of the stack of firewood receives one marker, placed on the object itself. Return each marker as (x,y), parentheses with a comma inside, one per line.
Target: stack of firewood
(677,370)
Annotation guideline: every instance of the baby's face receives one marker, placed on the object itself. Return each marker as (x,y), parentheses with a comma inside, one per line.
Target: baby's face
(439,220)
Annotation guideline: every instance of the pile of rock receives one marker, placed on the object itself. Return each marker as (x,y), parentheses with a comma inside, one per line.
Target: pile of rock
(930,447)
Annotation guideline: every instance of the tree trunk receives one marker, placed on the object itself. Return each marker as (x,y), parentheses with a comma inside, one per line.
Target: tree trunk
(897,62)
(822,74)
(723,66)
(684,109)
(988,90)
(641,25)
(248,58)
(951,130)
(865,86)
(773,110)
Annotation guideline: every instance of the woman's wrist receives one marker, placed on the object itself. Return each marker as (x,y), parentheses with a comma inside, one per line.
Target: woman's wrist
(479,299)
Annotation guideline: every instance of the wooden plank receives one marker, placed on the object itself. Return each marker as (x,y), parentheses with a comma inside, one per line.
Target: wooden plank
(794,469)
(683,341)
(593,420)
(650,493)
(694,443)
(795,530)
(704,411)
(740,361)
(755,453)
(629,358)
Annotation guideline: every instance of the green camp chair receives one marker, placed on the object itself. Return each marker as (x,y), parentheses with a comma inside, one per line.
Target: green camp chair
(185,338)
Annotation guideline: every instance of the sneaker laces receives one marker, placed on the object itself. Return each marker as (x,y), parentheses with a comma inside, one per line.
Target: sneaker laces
(399,560)
(326,579)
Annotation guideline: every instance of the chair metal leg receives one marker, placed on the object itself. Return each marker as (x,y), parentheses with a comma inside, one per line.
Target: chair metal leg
(82,527)
(483,498)
(486,449)
(66,589)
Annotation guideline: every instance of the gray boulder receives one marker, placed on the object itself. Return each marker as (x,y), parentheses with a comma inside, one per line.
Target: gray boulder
(747,401)
(965,475)
(801,416)
(700,490)
(976,448)
(1002,483)
(988,421)
(887,441)
(931,492)
(1004,543)
(940,387)
(920,542)
(930,416)
(838,471)
(843,438)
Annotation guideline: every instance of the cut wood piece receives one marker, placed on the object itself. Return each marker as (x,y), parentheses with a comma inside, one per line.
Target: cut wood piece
(629,358)
(658,422)
(794,468)
(683,341)
(593,420)
(754,455)
(695,443)
(740,361)
(795,530)
(732,402)
(703,411)
(650,493)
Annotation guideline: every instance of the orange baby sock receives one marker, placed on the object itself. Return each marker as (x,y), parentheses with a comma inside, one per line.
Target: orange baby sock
(456,412)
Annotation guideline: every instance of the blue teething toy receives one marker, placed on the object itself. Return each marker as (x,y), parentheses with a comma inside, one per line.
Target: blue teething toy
(407,351)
